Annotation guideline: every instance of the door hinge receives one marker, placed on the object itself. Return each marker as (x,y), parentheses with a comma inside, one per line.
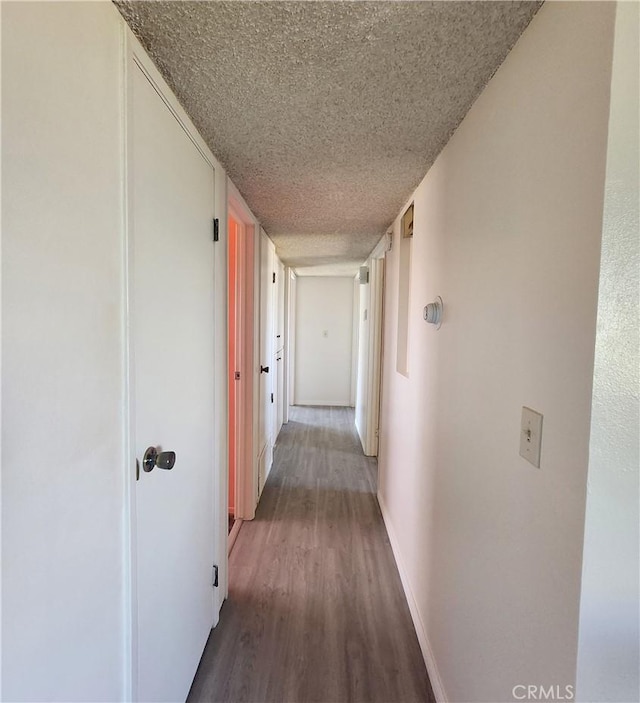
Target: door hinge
(214,581)
(274,276)
(216,229)
(272,397)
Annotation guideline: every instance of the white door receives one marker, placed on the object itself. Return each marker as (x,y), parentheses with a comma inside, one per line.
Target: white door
(172,345)
(267,358)
(279,346)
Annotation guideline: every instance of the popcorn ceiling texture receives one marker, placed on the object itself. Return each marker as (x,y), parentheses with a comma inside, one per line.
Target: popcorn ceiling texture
(327,115)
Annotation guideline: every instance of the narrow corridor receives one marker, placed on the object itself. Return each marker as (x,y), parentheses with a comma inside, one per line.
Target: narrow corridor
(316,610)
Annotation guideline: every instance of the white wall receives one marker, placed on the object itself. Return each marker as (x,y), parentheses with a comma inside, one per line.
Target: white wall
(608,653)
(63,610)
(68,624)
(324,331)
(507,228)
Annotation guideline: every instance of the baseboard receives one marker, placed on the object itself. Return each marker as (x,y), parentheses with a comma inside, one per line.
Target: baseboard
(423,640)
(362,442)
(324,403)
(233,535)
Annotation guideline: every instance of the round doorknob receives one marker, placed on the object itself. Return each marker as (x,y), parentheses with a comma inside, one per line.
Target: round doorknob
(163,460)
(264,369)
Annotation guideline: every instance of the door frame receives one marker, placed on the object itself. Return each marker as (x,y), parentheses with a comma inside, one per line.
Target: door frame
(375,345)
(246,462)
(290,338)
(285,392)
(376,303)
(135,58)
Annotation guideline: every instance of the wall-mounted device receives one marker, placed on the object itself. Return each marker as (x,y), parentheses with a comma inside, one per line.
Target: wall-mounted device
(433,312)
(531,436)
(389,236)
(364,275)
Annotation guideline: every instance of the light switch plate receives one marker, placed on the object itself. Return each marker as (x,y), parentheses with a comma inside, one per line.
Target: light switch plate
(531,436)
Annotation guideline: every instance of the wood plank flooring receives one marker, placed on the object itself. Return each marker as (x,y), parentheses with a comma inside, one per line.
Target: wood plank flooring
(316,611)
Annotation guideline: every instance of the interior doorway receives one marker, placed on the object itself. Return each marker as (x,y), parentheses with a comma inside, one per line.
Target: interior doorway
(371,350)
(377,341)
(233,279)
(241,343)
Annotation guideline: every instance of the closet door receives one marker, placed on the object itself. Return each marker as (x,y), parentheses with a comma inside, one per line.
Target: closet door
(173,396)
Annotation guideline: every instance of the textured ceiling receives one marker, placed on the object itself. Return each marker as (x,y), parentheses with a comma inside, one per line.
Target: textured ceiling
(327,115)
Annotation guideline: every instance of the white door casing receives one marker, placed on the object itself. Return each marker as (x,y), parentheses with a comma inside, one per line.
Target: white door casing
(279,346)
(291,340)
(247,344)
(374,380)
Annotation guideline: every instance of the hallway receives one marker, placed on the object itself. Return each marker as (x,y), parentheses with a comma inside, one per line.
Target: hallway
(316,610)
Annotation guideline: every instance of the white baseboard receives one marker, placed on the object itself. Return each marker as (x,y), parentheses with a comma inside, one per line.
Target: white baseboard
(361,437)
(233,535)
(423,640)
(324,403)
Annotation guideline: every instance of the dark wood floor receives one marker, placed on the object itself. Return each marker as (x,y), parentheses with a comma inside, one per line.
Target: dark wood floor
(316,611)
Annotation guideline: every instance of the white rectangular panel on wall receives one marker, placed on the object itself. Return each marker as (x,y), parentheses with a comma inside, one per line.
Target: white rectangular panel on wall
(324,337)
